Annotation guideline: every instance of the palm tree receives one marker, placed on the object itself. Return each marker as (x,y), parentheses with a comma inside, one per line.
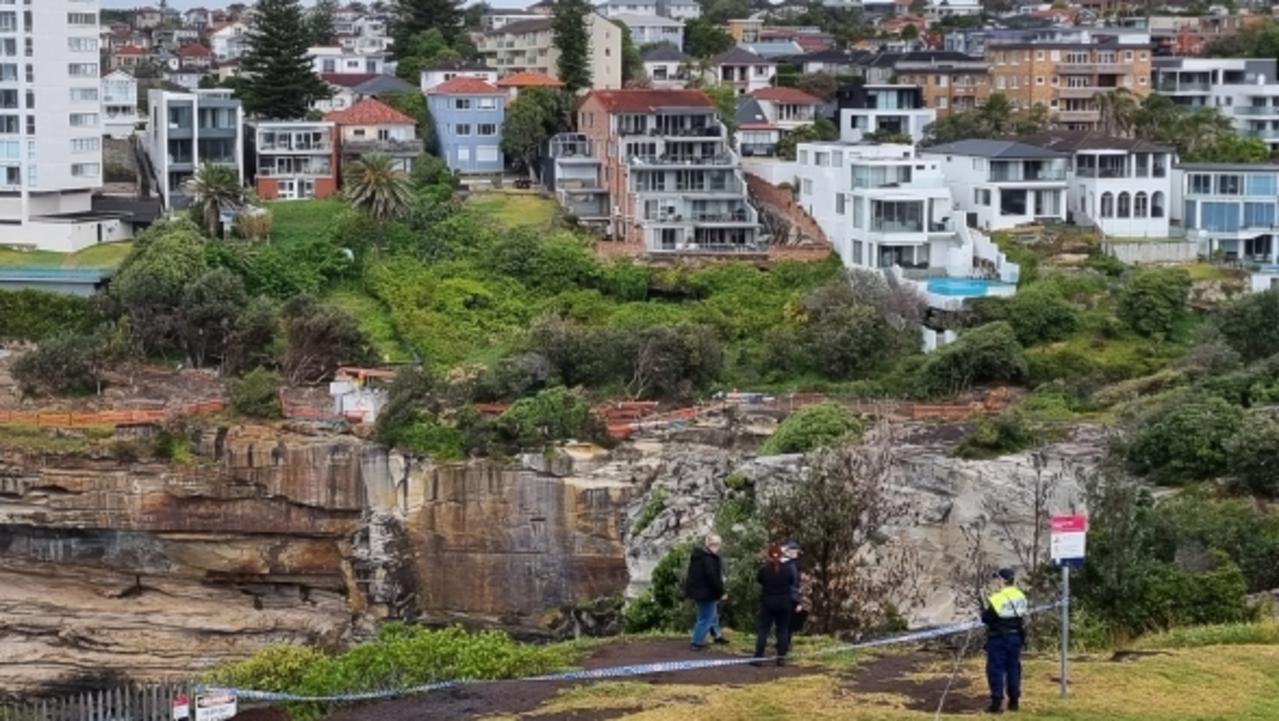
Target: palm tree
(1118,110)
(216,188)
(377,187)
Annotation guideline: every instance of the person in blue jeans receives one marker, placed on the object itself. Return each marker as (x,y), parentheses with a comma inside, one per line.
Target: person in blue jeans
(1004,614)
(704,584)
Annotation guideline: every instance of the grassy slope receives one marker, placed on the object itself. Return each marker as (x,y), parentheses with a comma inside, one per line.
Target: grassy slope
(303,219)
(1236,682)
(513,210)
(105,255)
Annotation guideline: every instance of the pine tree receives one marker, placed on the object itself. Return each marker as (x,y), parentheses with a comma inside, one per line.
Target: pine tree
(416,16)
(571,37)
(319,22)
(281,83)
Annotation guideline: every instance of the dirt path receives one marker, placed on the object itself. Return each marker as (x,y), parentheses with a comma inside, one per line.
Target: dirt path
(903,675)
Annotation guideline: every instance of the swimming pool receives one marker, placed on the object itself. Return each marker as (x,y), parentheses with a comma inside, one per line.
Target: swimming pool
(966,287)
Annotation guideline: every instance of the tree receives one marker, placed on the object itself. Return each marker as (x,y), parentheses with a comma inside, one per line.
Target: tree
(1039,314)
(1184,438)
(473,16)
(632,61)
(152,280)
(909,32)
(210,306)
(1153,300)
(423,50)
(256,395)
(279,80)
(725,99)
(61,365)
(704,39)
(841,514)
(216,189)
(377,187)
(821,130)
(1254,455)
(988,353)
(811,428)
(319,22)
(416,16)
(1118,109)
(524,133)
(321,337)
(1247,325)
(996,113)
(569,27)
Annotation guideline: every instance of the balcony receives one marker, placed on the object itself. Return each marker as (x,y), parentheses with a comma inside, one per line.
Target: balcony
(666,161)
(1094,68)
(321,149)
(735,217)
(1256,110)
(1079,93)
(1264,133)
(1017,175)
(303,172)
(391,147)
(1078,116)
(1172,88)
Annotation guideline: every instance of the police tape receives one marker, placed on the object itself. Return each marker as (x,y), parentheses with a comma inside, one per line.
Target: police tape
(611,672)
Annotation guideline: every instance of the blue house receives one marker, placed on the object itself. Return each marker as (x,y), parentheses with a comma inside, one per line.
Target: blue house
(468,114)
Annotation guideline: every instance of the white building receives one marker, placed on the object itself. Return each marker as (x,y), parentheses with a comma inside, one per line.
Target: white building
(743,70)
(675,9)
(530,45)
(328,60)
(186,130)
(938,9)
(51,126)
(1001,184)
(652,29)
(667,67)
(897,110)
(1121,186)
(1246,90)
(119,104)
(1231,210)
(229,42)
(437,74)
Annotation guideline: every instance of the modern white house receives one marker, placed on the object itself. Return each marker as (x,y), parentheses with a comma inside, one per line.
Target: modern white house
(675,9)
(1246,90)
(437,74)
(1121,186)
(51,126)
(1231,211)
(743,70)
(1001,184)
(119,105)
(327,60)
(186,130)
(667,67)
(652,29)
(868,110)
(229,42)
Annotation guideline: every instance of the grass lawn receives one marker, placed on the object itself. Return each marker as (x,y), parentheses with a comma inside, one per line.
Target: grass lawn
(103,255)
(513,210)
(296,220)
(375,320)
(1208,271)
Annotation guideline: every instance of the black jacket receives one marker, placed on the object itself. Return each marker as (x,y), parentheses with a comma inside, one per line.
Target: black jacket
(705,580)
(776,585)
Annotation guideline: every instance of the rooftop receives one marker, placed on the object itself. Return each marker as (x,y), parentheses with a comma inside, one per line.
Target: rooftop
(1239,167)
(520,27)
(1071,140)
(1010,149)
(647,101)
(739,56)
(529,79)
(464,85)
(629,19)
(369,111)
(793,96)
(664,52)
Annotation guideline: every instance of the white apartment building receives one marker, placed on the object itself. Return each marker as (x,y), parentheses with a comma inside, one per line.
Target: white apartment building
(51,126)
(1001,184)
(119,105)
(330,60)
(1246,90)
(1121,186)
(186,130)
(1231,210)
(887,109)
(652,29)
(437,74)
(675,9)
(529,45)
(938,9)
(667,68)
(229,42)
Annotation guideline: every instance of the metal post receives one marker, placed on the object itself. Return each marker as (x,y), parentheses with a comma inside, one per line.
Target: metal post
(1065,624)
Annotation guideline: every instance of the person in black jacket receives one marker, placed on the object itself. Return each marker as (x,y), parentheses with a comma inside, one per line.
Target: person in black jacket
(704,584)
(777,582)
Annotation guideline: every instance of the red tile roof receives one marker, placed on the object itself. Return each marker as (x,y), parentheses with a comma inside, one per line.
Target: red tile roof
(369,111)
(645,101)
(194,50)
(129,50)
(527,79)
(347,80)
(794,96)
(465,85)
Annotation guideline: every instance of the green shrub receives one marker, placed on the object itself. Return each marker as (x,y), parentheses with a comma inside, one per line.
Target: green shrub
(431,437)
(986,354)
(745,539)
(991,437)
(552,415)
(274,668)
(1248,324)
(1247,532)
(663,606)
(812,427)
(983,310)
(64,364)
(1152,300)
(1105,263)
(1038,314)
(256,395)
(34,315)
(1184,438)
(1254,455)
(655,504)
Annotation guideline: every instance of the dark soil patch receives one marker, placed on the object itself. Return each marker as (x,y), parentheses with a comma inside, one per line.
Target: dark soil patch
(890,675)
(262,714)
(520,697)
(1122,656)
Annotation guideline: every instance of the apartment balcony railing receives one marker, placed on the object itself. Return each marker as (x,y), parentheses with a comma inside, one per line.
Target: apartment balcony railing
(737,216)
(285,148)
(1080,93)
(1018,175)
(677,161)
(295,173)
(703,132)
(1256,110)
(752,248)
(1184,87)
(394,147)
(1078,116)
(1266,133)
(893,227)
(1093,68)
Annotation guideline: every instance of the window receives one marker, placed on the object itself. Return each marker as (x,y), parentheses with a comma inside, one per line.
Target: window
(1157,204)
(486,129)
(806,186)
(1140,205)
(84,95)
(839,203)
(462,129)
(83,120)
(82,70)
(1107,205)
(85,145)
(1228,185)
(1259,215)
(1200,183)
(1221,217)
(943,103)
(1055,55)
(1039,80)
(1257,184)
(1125,205)
(1039,54)
(84,170)
(1128,55)
(859,213)
(486,103)
(82,45)
(82,19)
(462,104)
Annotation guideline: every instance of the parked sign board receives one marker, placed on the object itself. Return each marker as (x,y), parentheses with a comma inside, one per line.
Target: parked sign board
(181,708)
(214,707)
(1068,539)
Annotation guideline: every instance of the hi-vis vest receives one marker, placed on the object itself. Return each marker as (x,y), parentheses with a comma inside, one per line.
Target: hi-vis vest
(1009,603)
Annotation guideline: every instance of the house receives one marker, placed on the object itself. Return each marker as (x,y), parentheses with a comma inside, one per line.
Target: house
(938,9)
(1001,184)
(195,56)
(227,69)
(652,29)
(681,10)
(1121,186)
(1231,211)
(371,126)
(757,135)
(529,45)
(229,42)
(498,18)
(950,82)
(787,108)
(809,39)
(514,84)
(186,79)
(662,175)
(188,129)
(743,70)
(293,160)
(666,67)
(119,105)
(468,115)
(745,30)
(128,57)
(330,60)
(831,62)
(1246,90)
(867,111)
(684,10)
(349,88)
(450,69)
(147,18)
(196,18)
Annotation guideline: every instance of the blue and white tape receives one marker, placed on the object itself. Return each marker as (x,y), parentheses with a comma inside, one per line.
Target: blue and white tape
(611,672)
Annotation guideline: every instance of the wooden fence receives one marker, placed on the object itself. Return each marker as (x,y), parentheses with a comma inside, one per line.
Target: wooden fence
(90,419)
(127,702)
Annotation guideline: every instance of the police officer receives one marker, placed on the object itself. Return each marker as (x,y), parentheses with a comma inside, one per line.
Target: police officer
(1004,614)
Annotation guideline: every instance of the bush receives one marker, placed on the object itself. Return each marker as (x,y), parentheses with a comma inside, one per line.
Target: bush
(1248,324)
(655,504)
(62,365)
(34,315)
(1038,314)
(274,668)
(552,415)
(663,606)
(254,224)
(810,428)
(1005,433)
(1152,300)
(1245,531)
(1254,455)
(321,338)
(1184,438)
(986,354)
(256,395)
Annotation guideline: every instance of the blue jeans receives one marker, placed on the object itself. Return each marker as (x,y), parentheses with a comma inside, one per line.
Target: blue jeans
(707,621)
(1003,667)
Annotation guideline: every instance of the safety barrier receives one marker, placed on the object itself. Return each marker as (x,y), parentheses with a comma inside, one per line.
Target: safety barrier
(614,672)
(150,702)
(90,419)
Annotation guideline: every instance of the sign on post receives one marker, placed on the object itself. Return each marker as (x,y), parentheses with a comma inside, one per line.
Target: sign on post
(214,707)
(1067,544)
(181,708)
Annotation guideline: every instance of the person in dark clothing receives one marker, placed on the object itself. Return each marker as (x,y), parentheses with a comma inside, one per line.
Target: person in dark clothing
(790,557)
(777,582)
(1004,614)
(704,584)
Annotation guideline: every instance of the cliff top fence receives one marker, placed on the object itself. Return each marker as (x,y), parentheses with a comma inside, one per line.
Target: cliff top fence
(134,702)
(91,419)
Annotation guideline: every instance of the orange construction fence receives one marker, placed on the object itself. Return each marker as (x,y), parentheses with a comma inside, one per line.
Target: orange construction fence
(107,418)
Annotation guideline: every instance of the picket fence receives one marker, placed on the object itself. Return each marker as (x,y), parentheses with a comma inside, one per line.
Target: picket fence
(126,702)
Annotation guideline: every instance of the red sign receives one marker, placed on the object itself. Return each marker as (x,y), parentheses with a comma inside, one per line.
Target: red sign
(1069,524)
